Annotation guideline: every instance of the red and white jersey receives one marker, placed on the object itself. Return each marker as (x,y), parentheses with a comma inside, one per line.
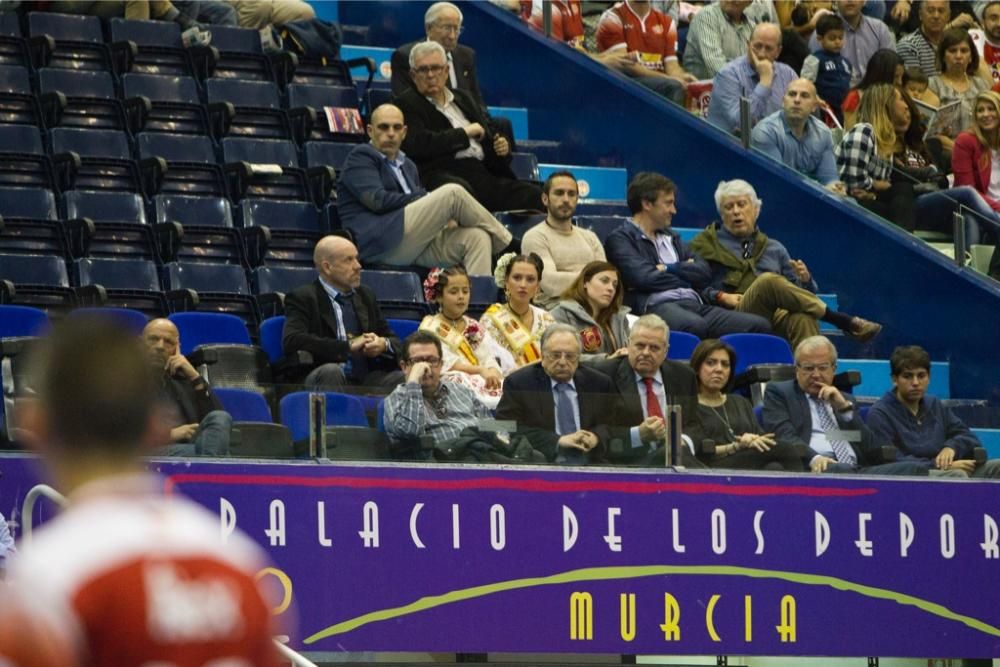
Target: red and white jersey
(652,40)
(139,578)
(989,53)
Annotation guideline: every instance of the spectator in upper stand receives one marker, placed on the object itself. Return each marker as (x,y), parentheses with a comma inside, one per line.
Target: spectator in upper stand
(919,48)
(337,320)
(864,158)
(209,12)
(884,67)
(396,221)
(810,412)
(567,21)
(592,304)
(959,62)
(987,41)
(661,274)
(647,37)
(863,36)
(424,405)
(718,34)
(756,76)
(920,426)
(798,139)
(562,408)
(443,25)
(752,273)
(447,137)
(827,68)
(257,14)
(915,84)
(198,424)
(157,10)
(563,247)
(974,156)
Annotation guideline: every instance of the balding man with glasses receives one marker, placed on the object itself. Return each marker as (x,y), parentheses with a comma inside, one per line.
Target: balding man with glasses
(562,408)
(449,138)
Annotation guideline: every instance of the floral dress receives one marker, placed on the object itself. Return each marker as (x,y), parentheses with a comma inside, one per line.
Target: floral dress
(515,346)
(473,346)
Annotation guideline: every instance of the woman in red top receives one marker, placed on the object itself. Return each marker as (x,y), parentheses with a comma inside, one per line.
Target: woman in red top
(885,66)
(975,160)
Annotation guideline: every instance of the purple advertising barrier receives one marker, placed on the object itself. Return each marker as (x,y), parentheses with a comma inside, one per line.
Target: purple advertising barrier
(489,559)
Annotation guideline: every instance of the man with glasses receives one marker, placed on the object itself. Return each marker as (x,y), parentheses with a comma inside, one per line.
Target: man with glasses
(424,406)
(562,408)
(396,221)
(449,138)
(752,273)
(812,414)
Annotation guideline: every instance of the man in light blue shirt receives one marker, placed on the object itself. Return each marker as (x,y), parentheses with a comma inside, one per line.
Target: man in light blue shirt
(796,138)
(756,76)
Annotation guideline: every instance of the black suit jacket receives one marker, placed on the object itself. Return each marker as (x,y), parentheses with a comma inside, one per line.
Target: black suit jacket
(311,325)
(681,388)
(527,399)
(432,142)
(787,415)
(465,71)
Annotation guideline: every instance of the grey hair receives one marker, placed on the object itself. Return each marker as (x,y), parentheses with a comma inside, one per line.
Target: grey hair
(815,343)
(434,11)
(653,322)
(422,49)
(735,188)
(558,328)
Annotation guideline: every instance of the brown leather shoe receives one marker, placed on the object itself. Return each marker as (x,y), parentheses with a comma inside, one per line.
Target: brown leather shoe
(863,330)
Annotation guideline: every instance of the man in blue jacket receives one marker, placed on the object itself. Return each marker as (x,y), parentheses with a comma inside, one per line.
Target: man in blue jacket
(920,426)
(660,274)
(396,221)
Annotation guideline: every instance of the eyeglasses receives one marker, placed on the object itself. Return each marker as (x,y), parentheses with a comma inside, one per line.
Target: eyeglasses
(809,369)
(429,70)
(430,361)
(457,29)
(556,356)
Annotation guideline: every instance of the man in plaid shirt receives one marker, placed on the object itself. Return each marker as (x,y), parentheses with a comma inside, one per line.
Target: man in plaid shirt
(425,406)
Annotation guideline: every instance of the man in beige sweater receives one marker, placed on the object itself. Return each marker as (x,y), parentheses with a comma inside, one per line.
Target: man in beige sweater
(564,248)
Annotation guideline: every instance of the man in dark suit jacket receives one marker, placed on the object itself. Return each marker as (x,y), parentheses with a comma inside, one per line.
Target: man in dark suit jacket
(670,382)
(810,412)
(447,136)
(443,24)
(394,219)
(560,406)
(338,322)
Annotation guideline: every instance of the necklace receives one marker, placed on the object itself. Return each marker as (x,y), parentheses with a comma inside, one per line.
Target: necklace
(458,324)
(520,318)
(723,416)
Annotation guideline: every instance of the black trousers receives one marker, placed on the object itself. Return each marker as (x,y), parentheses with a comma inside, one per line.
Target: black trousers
(495,193)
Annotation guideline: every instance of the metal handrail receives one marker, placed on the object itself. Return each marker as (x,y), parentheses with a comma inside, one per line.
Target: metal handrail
(28,507)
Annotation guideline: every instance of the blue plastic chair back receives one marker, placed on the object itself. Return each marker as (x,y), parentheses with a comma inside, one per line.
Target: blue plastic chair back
(17,321)
(159,88)
(134,274)
(208,328)
(682,344)
(271,331)
(403,328)
(28,203)
(105,206)
(244,405)
(754,349)
(133,320)
(175,147)
(341,410)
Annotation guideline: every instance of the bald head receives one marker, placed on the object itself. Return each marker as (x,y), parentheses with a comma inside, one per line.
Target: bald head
(162,339)
(337,263)
(765,41)
(800,101)
(387,130)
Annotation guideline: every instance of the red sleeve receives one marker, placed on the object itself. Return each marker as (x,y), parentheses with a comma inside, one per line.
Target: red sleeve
(964,167)
(670,33)
(610,31)
(851,100)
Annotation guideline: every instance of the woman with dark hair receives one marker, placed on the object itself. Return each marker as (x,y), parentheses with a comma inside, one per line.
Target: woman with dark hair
(517,325)
(593,304)
(728,419)
(469,353)
(958,60)
(885,66)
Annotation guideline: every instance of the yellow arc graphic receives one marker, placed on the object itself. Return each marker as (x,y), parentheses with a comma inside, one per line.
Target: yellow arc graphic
(634,572)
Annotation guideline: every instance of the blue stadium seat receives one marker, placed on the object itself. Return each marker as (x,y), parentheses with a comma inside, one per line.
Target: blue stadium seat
(280,279)
(175,106)
(291,184)
(403,328)
(175,147)
(255,110)
(341,410)
(752,349)
(260,151)
(254,433)
(159,48)
(21,138)
(292,230)
(132,284)
(244,405)
(30,236)
(219,345)
(13,79)
(331,153)
(87,100)
(91,143)
(241,57)
(13,51)
(399,293)
(208,232)
(37,280)
(482,295)
(16,321)
(306,96)
(682,344)
(26,170)
(190,168)
(119,227)
(220,288)
(77,40)
(76,84)
(27,203)
(209,328)
(519,224)
(133,320)
(525,166)
(271,331)
(602,225)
